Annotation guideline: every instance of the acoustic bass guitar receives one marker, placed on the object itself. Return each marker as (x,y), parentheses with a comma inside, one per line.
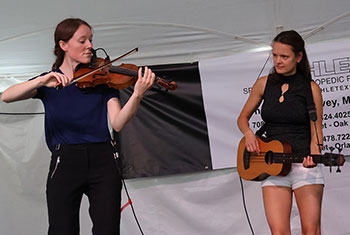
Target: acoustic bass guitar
(275,158)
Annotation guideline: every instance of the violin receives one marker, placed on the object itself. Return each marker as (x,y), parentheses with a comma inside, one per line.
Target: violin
(100,71)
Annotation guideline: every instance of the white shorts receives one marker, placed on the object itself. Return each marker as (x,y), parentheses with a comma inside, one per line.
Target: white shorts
(297,177)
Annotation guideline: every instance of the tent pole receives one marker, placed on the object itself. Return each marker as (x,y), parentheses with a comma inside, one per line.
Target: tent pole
(323,26)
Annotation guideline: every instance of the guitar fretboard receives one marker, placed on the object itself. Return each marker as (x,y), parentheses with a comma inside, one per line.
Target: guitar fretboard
(327,159)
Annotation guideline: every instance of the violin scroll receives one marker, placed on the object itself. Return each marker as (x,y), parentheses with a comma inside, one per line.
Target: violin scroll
(166,84)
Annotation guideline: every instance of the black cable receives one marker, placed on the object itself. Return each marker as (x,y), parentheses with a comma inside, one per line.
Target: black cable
(262,69)
(240,179)
(132,207)
(245,208)
(20,114)
(94,51)
(116,157)
(100,48)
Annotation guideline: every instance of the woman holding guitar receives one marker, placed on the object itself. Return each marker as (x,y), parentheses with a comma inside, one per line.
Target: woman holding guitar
(284,95)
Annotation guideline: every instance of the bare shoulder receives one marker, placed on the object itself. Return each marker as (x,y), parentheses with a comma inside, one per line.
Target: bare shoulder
(260,84)
(262,79)
(315,88)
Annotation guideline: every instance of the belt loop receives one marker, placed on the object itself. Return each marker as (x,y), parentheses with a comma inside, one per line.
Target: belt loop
(114,145)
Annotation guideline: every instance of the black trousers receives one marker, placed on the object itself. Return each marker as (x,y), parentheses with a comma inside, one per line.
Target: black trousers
(79,169)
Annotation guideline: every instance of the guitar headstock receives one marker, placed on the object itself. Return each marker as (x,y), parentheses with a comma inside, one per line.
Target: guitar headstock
(333,159)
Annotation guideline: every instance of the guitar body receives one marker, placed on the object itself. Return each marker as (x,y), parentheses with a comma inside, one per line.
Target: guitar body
(255,167)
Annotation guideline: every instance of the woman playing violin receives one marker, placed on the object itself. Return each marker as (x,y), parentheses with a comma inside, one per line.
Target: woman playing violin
(77,133)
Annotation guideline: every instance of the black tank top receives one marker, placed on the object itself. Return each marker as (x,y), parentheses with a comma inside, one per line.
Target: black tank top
(287,121)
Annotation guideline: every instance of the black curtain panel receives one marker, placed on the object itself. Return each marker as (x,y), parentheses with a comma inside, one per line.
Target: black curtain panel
(169,133)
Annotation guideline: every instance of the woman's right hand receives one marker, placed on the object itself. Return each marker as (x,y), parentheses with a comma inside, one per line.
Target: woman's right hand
(54,79)
(251,142)
(28,89)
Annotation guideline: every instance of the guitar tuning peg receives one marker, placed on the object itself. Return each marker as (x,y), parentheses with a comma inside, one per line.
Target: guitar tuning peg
(338,170)
(339,149)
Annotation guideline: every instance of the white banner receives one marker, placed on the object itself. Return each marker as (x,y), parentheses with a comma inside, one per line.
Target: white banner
(330,68)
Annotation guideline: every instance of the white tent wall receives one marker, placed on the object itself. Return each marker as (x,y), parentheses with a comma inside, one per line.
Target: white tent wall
(165,32)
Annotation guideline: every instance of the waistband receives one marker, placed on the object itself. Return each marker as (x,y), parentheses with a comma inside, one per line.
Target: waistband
(58,147)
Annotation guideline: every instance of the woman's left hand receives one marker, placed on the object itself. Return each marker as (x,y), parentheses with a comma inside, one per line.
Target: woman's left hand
(144,81)
(308,162)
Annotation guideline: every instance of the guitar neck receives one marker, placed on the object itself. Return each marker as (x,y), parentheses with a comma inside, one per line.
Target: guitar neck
(295,158)
(328,159)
